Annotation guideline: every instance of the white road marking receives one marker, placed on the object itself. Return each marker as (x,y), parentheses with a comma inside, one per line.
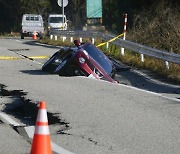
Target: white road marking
(55,147)
(30,132)
(154,80)
(19,41)
(150,92)
(6,119)
(135,88)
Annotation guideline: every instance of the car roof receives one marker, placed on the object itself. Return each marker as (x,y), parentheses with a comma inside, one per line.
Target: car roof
(56,15)
(31,15)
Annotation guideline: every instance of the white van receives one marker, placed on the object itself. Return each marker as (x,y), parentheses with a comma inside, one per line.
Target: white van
(55,21)
(32,23)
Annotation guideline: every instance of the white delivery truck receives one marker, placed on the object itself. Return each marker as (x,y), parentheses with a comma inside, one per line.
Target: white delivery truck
(32,23)
(55,21)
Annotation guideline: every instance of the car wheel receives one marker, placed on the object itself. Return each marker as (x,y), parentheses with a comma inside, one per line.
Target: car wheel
(80,72)
(60,67)
(48,66)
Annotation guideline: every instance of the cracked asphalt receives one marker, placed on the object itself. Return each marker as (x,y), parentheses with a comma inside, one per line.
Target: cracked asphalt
(90,116)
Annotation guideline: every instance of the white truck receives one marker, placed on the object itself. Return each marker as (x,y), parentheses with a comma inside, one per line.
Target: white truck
(32,23)
(55,21)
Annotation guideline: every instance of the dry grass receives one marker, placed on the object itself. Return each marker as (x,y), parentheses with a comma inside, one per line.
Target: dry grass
(158,27)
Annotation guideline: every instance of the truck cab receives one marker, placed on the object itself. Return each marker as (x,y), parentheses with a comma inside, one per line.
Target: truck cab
(55,21)
(32,23)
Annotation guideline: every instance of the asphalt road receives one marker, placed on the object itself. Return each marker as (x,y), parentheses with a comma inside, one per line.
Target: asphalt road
(139,115)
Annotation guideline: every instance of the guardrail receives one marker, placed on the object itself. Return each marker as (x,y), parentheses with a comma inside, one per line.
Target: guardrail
(78,33)
(141,49)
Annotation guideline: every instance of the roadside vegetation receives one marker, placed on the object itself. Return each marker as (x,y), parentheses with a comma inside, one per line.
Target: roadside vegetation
(12,34)
(158,27)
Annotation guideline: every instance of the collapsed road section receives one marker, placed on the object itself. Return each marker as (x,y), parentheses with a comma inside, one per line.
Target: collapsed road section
(24,111)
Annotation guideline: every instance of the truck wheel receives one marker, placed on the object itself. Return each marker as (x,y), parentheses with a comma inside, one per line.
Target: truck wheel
(22,36)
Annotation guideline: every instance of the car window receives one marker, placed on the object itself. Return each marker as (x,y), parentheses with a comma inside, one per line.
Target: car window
(56,19)
(32,18)
(36,19)
(99,57)
(27,18)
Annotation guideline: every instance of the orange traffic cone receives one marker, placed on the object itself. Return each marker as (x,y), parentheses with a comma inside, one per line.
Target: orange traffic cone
(41,141)
(34,35)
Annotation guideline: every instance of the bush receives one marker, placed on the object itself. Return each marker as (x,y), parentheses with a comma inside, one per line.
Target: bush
(158,27)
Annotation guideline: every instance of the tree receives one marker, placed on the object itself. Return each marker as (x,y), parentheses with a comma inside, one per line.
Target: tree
(113,12)
(76,12)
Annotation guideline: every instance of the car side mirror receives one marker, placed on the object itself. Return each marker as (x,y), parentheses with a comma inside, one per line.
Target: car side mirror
(77,43)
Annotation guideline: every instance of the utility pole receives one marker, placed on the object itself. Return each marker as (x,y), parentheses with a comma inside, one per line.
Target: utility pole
(63,14)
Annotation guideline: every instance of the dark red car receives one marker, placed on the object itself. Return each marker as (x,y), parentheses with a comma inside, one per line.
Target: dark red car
(84,59)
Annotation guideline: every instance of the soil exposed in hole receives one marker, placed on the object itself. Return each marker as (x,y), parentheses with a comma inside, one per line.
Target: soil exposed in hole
(25,110)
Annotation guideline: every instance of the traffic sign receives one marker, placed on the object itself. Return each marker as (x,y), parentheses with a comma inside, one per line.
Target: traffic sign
(65,3)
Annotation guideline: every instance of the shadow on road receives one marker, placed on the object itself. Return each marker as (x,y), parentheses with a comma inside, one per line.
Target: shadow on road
(144,79)
(34,72)
(35,43)
(40,72)
(140,81)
